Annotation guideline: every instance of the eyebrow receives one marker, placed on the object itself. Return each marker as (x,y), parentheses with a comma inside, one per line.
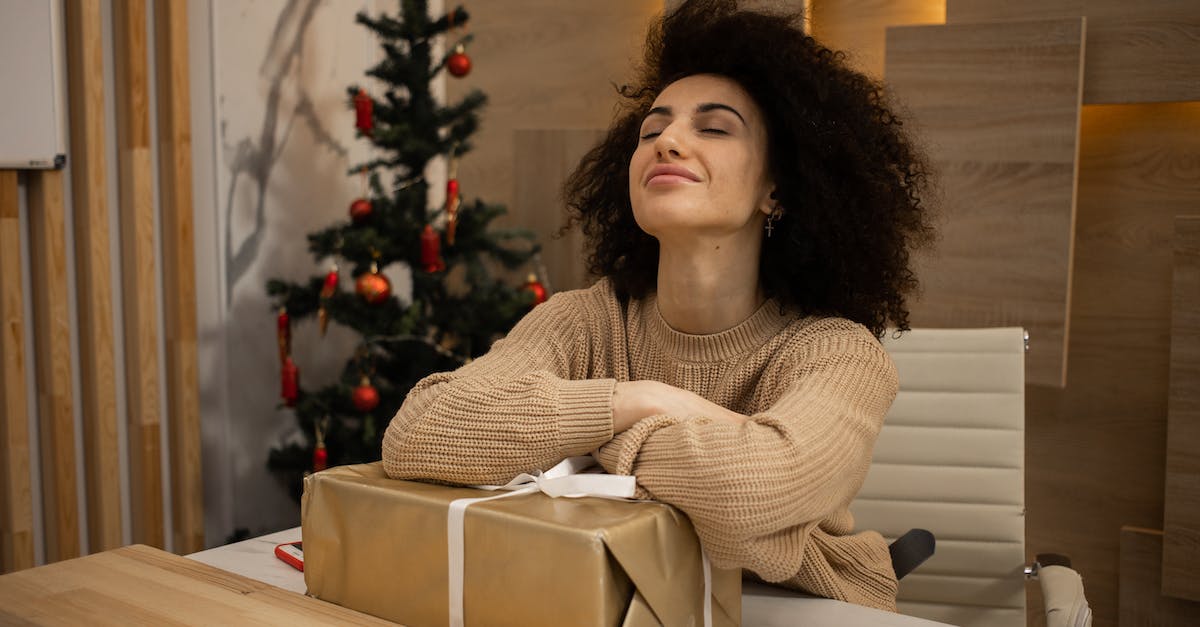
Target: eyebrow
(702,108)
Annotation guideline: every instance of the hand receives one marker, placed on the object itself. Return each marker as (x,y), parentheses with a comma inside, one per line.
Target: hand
(635,400)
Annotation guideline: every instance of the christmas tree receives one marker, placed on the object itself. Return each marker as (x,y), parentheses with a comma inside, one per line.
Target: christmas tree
(458,306)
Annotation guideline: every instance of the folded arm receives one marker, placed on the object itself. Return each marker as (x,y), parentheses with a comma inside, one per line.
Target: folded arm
(748,480)
(513,410)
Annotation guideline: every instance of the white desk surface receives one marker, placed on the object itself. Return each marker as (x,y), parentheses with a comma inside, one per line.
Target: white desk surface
(762,606)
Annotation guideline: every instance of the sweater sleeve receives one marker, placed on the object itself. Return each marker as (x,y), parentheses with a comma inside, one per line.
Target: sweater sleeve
(516,409)
(769,495)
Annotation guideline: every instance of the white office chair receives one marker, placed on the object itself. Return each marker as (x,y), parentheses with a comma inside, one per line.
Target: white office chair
(951,459)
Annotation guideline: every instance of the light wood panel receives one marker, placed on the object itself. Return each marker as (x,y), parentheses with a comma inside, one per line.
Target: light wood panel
(138,585)
(179,272)
(93,268)
(1094,450)
(543,159)
(556,71)
(52,341)
(137,270)
(859,27)
(770,5)
(1142,603)
(1181,514)
(1136,52)
(997,106)
(16,500)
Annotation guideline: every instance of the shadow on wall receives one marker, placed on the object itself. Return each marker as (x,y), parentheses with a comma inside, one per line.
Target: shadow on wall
(285,140)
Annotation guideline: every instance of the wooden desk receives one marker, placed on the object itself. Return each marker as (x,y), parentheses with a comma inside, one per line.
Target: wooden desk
(140,585)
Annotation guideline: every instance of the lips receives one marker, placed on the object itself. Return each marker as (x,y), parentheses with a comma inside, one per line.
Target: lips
(664,174)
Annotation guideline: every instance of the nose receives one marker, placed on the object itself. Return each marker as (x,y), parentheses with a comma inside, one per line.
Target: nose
(668,143)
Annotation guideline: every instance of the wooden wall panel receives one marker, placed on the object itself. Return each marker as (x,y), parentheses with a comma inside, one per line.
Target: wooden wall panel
(998,109)
(93,271)
(136,173)
(52,341)
(1094,450)
(16,500)
(1136,51)
(179,273)
(1181,513)
(769,5)
(556,71)
(542,160)
(859,27)
(1142,603)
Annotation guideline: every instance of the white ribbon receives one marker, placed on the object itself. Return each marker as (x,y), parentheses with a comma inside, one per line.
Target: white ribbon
(570,478)
(567,479)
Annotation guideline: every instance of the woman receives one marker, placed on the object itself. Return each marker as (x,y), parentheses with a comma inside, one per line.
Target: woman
(751,213)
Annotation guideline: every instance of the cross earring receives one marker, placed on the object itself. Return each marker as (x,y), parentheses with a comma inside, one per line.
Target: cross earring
(771,218)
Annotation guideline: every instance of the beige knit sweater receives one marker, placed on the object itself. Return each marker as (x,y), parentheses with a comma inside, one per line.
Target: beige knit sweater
(769,495)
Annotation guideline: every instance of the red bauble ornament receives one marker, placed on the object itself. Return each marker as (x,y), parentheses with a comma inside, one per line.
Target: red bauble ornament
(284,334)
(327,290)
(365,396)
(458,63)
(364,113)
(535,287)
(290,382)
(360,210)
(431,251)
(373,287)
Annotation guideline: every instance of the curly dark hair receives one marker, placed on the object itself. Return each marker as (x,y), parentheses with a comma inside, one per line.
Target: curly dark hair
(847,174)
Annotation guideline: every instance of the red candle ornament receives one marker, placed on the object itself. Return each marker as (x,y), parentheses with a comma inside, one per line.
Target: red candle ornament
(365,396)
(284,334)
(327,290)
(290,382)
(360,210)
(364,113)
(431,251)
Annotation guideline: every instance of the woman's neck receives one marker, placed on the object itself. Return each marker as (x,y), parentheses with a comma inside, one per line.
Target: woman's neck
(708,287)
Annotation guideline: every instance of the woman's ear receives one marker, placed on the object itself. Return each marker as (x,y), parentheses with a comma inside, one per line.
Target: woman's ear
(770,202)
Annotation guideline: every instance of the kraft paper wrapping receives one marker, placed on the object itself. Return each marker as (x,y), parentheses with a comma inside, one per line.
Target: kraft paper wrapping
(379,546)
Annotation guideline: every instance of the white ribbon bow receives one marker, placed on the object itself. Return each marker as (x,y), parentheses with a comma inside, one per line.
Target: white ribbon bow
(567,479)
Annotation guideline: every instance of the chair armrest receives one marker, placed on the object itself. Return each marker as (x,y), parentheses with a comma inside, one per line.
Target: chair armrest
(911,550)
(1062,592)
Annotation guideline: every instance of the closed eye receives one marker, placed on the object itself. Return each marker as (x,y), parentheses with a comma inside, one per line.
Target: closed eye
(651,135)
(714,131)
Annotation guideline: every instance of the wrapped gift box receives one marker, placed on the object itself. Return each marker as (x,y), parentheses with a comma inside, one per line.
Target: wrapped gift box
(379,546)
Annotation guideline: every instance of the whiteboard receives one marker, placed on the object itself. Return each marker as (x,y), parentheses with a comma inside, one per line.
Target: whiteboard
(32,106)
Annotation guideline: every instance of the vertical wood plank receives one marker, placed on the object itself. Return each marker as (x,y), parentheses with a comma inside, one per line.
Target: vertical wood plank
(542,160)
(1141,602)
(997,107)
(93,268)
(1181,512)
(137,270)
(859,27)
(179,272)
(52,339)
(16,499)
(1137,52)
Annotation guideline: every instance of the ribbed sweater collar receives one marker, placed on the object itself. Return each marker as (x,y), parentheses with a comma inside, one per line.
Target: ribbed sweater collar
(745,337)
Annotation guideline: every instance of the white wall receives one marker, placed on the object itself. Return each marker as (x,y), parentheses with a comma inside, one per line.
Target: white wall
(272,140)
